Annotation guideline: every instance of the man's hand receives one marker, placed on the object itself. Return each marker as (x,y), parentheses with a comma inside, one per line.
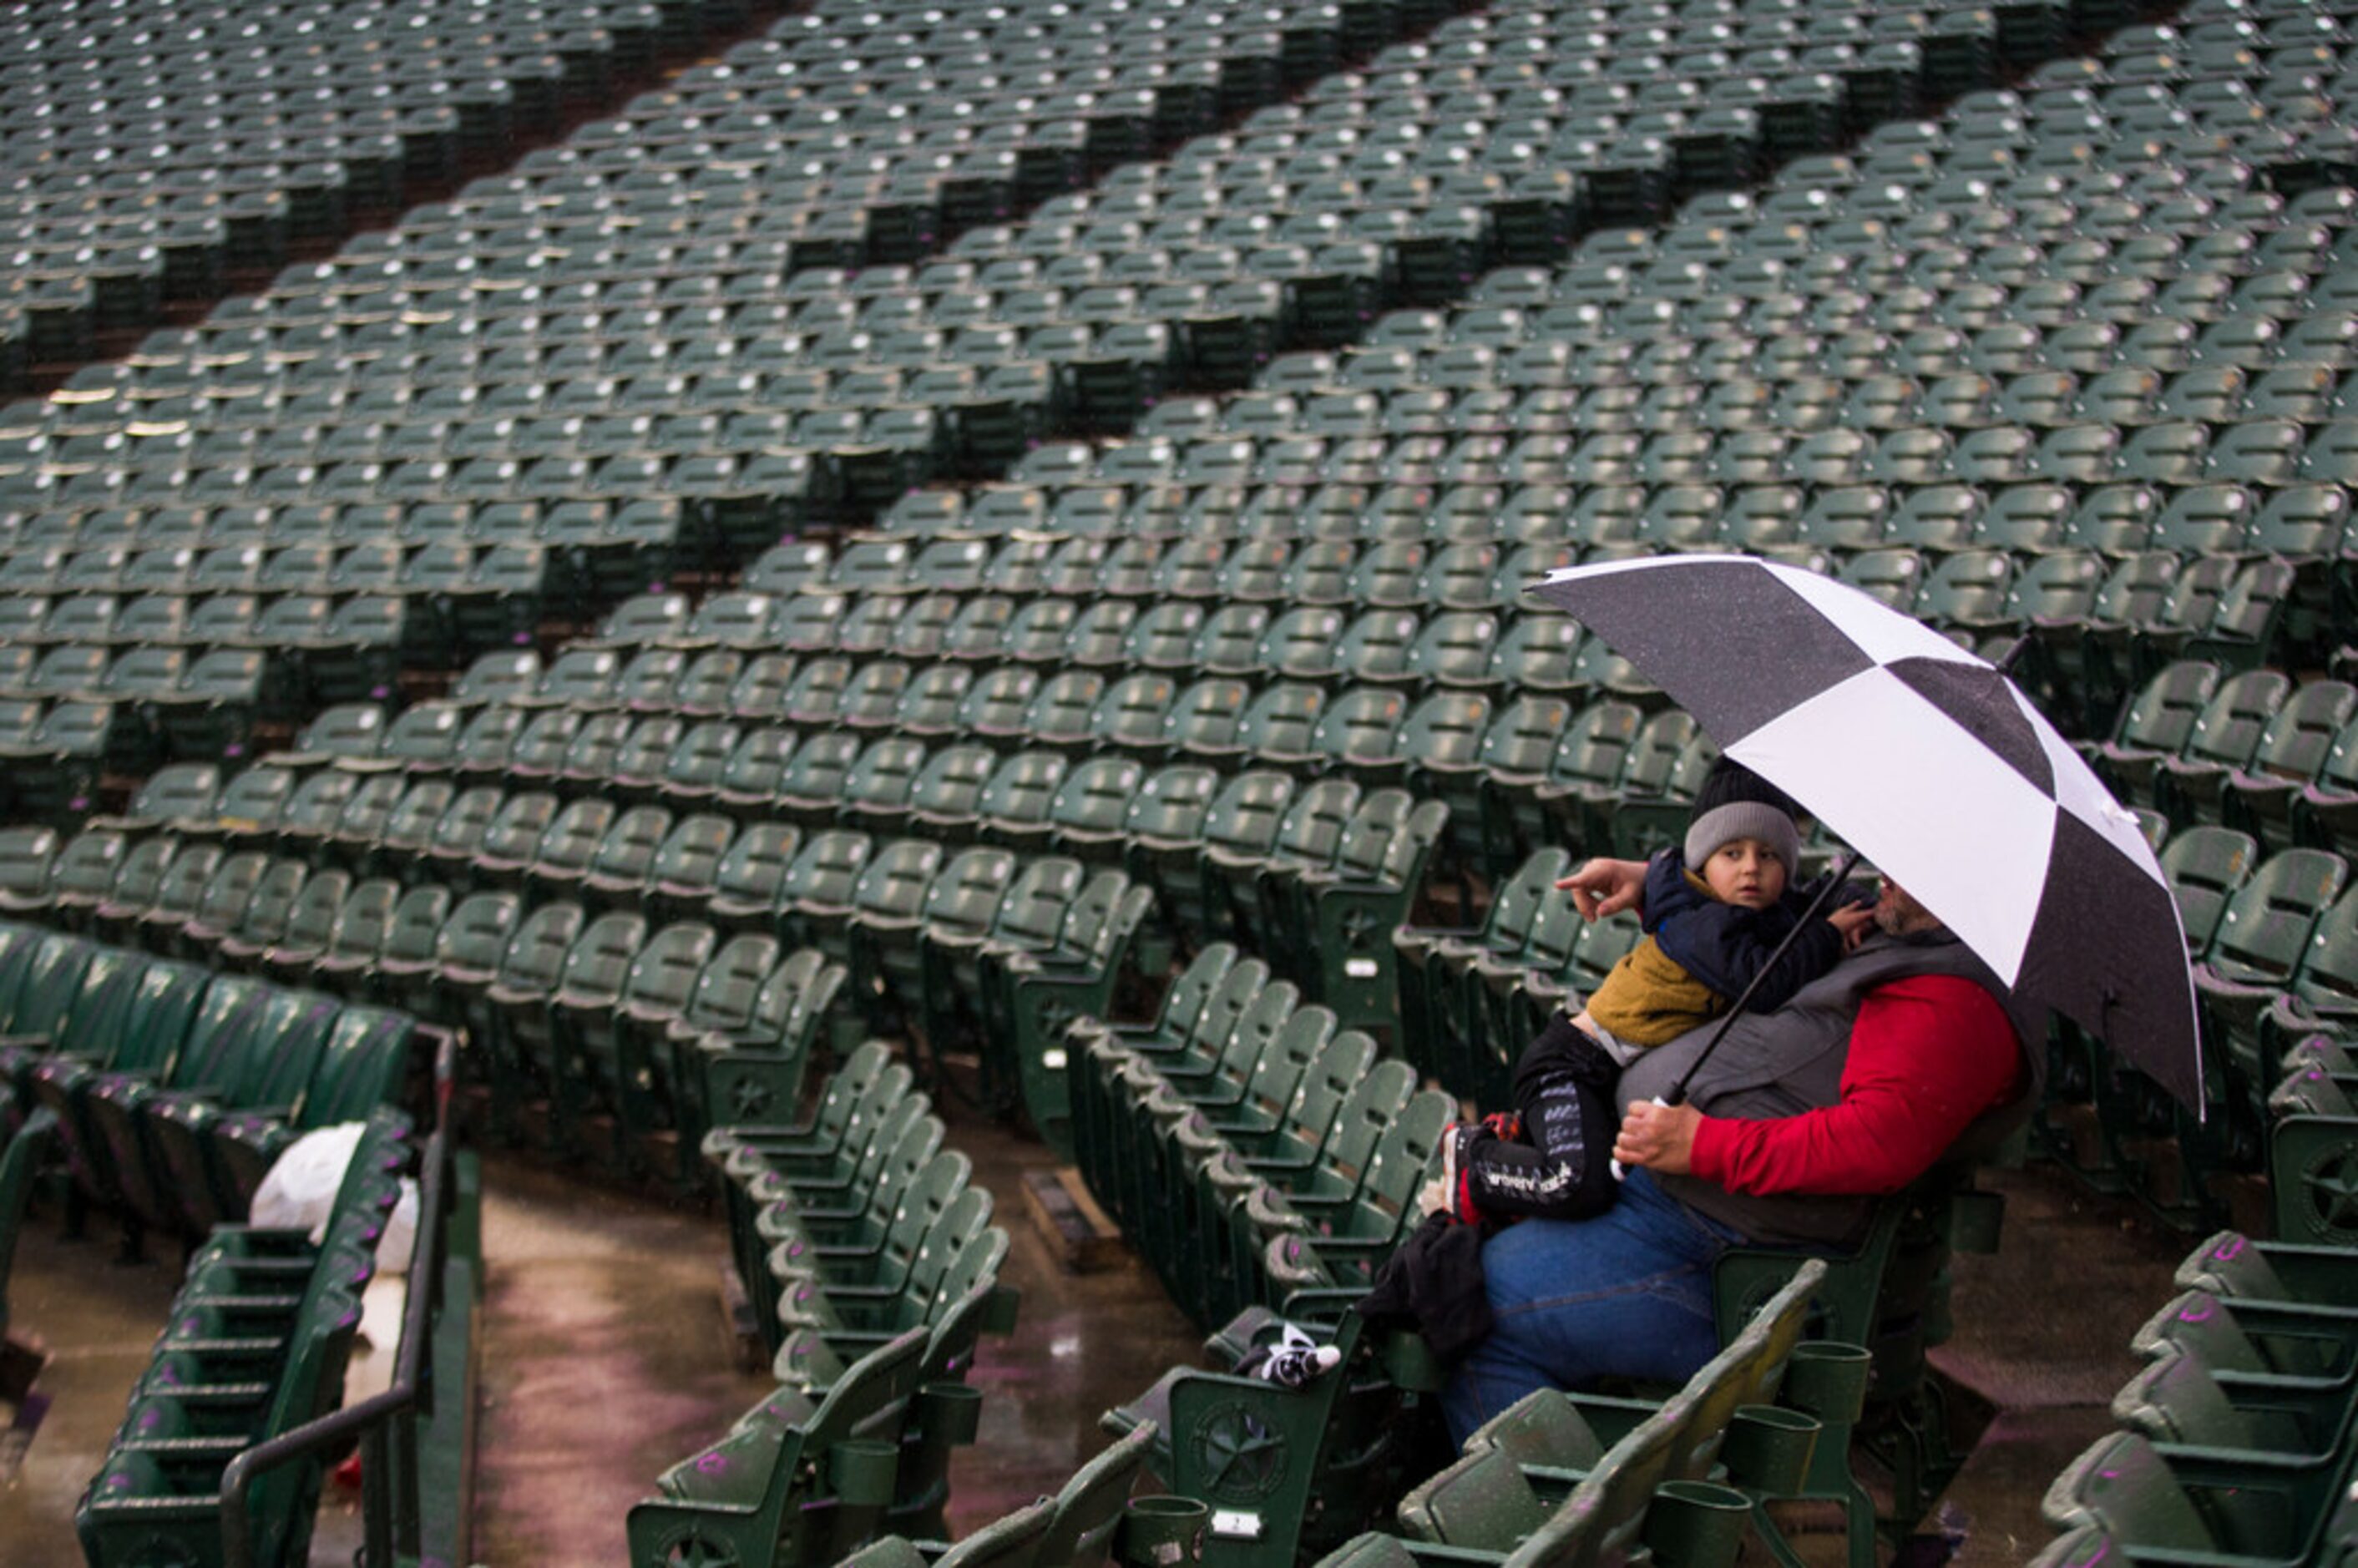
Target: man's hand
(1659,1137)
(1602,887)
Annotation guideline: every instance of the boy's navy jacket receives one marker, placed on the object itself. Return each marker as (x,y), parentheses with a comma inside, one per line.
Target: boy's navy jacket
(1724,944)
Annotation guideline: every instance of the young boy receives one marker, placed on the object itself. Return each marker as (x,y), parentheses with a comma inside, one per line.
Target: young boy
(1715,908)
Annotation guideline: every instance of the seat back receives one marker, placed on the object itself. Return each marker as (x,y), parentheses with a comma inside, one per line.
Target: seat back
(571,843)
(1094,797)
(311,918)
(511,836)
(534,955)
(898,883)
(216,1035)
(722,996)
(600,960)
(2327,980)
(1254,1033)
(285,1046)
(2230,725)
(1032,911)
(138,882)
(262,920)
(1483,1501)
(1020,791)
(47,983)
(2206,867)
(2267,923)
(625,853)
(475,936)
(663,975)
(828,869)
(97,1013)
(2122,1487)
(163,1005)
(1521,899)
(363,1064)
(1088,1509)
(413,924)
(2162,714)
(1313,824)
(230,889)
(458,833)
(754,871)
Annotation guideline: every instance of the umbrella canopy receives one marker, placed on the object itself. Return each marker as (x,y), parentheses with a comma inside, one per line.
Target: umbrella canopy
(1931,762)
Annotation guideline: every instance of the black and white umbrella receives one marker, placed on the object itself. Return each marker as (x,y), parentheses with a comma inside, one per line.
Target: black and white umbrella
(1931,764)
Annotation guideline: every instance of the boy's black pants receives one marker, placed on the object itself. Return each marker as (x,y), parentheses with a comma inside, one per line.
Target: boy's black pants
(1561,1167)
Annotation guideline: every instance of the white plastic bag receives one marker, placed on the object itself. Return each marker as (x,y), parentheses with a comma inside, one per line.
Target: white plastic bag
(299,1194)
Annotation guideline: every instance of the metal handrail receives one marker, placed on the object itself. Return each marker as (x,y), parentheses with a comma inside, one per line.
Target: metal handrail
(410,1390)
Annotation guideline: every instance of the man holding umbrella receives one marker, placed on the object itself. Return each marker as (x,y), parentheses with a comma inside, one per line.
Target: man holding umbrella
(2032,889)
(1791,1127)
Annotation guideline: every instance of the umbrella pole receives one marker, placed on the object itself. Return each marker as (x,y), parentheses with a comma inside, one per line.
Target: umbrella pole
(1841,873)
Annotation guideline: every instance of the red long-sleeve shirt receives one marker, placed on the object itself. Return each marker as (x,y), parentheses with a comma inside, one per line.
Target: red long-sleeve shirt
(1926,1056)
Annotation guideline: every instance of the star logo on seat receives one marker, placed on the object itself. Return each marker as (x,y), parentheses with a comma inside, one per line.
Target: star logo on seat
(750,1098)
(2331,1184)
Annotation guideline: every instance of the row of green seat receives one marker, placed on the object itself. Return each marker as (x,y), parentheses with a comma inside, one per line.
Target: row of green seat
(1091,1521)
(1735,377)
(1202,527)
(1514,775)
(583,553)
(1444,441)
(1561,1479)
(2236,1438)
(150,703)
(255,1348)
(1343,857)
(2220,610)
(1978,591)
(1238,1117)
(993,663)
(989,947)
(1065,557)
(174,1088)
(592,1018)
(2094,623)
(447,600)
(844,1123)
(2248,749)
(875,1270)
(851,1220)
(1072,925)
(341,531)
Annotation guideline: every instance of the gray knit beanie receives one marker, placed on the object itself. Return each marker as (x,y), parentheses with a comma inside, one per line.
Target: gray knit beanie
(1737,803)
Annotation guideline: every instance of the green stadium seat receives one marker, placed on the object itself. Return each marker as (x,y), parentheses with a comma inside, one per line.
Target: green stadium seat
(2190,785)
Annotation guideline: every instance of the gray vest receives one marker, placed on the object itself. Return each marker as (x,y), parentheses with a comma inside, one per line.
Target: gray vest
(1784,1062)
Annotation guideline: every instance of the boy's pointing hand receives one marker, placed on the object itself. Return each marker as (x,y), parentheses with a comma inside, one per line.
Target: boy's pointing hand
(1602,887)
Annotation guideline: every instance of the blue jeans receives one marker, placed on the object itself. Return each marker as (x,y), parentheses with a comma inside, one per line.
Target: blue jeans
(1626,1294)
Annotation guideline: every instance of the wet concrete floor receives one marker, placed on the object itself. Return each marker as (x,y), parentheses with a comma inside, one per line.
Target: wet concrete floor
(608,1357)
